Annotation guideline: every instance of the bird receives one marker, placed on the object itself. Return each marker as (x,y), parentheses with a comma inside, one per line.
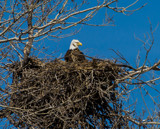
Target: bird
(74,54)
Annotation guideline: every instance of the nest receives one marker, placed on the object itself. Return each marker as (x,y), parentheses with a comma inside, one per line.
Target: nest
(60,95)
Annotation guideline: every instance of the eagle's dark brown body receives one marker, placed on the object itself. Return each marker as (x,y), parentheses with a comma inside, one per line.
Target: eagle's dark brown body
(74,56)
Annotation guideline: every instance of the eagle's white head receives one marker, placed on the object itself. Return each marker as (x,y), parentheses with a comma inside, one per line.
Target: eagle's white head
(74,44)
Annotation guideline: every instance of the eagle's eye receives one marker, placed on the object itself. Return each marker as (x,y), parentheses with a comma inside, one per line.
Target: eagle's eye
(74,45)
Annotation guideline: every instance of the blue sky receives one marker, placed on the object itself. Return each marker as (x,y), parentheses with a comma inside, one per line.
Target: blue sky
(97,41)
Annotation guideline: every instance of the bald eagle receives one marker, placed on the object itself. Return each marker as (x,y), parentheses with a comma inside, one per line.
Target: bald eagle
(74,54)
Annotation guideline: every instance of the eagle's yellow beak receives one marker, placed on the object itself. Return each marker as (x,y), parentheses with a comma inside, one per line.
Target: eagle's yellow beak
(79,44)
